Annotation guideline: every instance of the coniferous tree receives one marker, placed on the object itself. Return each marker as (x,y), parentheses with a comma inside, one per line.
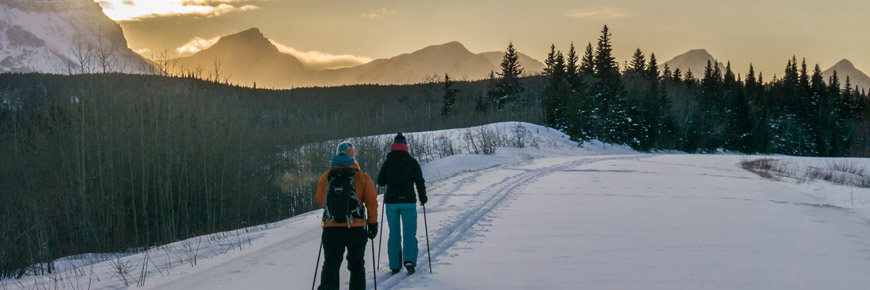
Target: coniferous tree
(690,78)
(509,87)
(667,74)
(678,75)
(820,110)
(556,94)
(493,92)
(550,61)
(758,113)
(739,132)
(658,106)
(638,62)
(448,100)
(638,102)
(587,64)
(572,70)
(608,93)
(711,120)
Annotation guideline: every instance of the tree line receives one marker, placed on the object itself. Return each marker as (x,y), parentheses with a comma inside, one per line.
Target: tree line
(650,107)
(112,163)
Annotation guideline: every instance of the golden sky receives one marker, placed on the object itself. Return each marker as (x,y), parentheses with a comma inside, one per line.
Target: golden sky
(345,32)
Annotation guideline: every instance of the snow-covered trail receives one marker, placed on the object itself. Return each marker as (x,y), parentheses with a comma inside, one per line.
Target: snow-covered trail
(657,222)
(593,222)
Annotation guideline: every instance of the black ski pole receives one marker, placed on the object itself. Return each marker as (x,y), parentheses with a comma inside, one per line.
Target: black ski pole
(374,271)
(381,233)
(317,265)
(426,225)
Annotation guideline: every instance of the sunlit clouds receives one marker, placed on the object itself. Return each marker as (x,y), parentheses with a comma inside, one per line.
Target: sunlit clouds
(120,10)
(145,52)
(380,13)
(599,13)
(316,60)
(195,45)
(312,60)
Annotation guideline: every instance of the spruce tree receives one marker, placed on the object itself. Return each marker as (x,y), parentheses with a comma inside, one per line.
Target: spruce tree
(689,80)
(587,64)
(652,70)
(820,108)
(449,98)
(638,62)
(550,61)
(572,70)
(556,94)
(493,91)
(678,75)
(509,87)
(609,93)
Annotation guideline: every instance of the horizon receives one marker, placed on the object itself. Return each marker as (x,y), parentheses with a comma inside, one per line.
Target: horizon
(353,33)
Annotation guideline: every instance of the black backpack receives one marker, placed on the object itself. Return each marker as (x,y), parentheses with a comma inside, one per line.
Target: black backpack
(342,204)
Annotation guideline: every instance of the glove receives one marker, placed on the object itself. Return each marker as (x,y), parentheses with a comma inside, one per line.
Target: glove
(423,199)
(373,231)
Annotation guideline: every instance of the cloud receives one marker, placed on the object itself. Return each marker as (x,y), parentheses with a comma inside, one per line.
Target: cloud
(379,13)
(145,52)
(316,60)
(126,10)
(313,60)
(196,45)
(599,13)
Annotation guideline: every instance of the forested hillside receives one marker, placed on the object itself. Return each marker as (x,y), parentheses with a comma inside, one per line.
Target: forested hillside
(111,162)
(653,108)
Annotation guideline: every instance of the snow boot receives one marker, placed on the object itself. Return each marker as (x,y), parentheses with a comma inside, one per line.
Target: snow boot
(410,267)
(394,271)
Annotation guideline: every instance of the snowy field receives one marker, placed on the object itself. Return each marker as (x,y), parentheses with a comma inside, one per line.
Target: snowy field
(556,217)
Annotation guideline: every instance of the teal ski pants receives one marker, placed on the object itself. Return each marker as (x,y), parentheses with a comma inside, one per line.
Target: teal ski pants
(403,225)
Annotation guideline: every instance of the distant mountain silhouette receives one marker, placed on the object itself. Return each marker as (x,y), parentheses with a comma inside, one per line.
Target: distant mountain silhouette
(846,68)
(245,58)
(434,61)
(248,57)
(695,60)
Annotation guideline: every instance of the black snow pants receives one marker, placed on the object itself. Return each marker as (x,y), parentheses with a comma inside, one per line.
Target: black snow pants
(335,240)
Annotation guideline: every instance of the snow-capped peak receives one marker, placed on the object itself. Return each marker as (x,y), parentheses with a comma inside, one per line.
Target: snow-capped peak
(63,36)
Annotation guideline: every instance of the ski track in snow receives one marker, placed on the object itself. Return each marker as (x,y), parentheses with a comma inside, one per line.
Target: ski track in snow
(675,212)
(457,229)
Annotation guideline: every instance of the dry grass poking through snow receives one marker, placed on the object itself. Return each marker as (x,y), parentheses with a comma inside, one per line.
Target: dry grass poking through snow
(840,172)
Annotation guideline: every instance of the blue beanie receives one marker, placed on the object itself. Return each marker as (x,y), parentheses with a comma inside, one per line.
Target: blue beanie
(345,148)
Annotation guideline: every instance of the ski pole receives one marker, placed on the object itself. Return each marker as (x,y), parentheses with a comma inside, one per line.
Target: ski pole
(381,234)
(317,265)
(426,225)
(374,270)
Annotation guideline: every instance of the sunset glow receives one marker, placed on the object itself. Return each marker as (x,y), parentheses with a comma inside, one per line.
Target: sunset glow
(762,33)
(120,10)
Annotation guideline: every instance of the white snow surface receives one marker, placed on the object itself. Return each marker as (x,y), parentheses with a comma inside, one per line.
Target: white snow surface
(555,217)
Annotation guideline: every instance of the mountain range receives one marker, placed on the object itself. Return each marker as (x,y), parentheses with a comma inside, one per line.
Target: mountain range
(75,36)
(63,36)
(249,57)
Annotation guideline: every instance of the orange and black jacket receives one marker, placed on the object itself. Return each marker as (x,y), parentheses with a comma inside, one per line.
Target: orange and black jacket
(365,191)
